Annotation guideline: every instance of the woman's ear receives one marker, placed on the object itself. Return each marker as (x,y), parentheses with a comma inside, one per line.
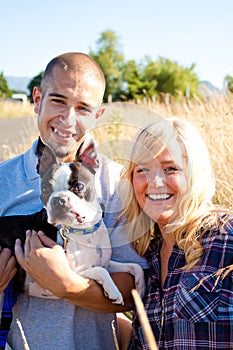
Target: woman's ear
(36,94)
(99,113)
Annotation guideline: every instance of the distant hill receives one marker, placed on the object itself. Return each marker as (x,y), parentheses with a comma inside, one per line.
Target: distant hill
(18,84)
(208,89)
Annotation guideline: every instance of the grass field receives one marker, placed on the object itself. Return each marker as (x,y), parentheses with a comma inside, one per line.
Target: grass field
(213,118)
(15,109)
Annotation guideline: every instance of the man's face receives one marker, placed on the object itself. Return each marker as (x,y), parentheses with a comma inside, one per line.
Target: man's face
(67,107)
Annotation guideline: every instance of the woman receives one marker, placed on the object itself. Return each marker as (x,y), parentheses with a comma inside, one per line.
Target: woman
(186,239)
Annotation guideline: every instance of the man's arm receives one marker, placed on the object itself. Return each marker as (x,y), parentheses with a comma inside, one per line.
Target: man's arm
(46,262)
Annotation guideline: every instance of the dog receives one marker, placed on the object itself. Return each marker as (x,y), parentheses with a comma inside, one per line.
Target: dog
(73,217)
(13,227)
(69,196)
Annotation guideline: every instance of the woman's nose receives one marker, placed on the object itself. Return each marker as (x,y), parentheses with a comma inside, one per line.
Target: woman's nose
(158,180)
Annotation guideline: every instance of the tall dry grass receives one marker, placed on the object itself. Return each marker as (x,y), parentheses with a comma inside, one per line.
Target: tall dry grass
(213,118)
(12,109)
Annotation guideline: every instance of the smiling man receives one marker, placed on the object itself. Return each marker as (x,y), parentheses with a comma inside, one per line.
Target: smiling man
(68,104)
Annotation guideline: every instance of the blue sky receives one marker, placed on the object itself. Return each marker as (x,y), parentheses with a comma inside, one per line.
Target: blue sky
(185,31)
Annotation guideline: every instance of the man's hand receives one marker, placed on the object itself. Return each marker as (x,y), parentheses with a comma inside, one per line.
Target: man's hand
(7,268)
(45,261)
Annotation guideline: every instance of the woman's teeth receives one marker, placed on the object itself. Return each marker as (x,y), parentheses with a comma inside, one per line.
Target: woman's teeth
(156,197)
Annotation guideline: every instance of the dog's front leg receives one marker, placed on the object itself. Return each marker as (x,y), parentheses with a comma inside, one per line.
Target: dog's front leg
(132,268)
(101,275)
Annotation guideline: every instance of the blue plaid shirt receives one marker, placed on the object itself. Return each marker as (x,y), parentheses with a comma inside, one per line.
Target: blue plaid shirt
(183,319)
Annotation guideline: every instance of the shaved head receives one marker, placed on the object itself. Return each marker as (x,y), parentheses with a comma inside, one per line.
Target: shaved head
(73,62)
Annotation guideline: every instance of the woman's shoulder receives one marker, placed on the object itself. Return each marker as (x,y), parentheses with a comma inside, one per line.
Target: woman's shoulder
(218,242)
(222,225)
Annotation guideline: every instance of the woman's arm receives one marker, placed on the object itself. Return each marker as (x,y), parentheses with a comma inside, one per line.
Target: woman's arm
(7,268)
(46,262)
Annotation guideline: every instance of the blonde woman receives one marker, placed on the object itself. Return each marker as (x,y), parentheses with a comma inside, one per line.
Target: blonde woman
(168,187)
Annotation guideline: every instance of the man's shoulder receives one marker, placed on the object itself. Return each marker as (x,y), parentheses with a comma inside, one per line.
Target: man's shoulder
(19,157)
(23,162)
(11,162)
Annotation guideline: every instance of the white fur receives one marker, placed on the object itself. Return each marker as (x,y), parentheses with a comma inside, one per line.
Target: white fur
(89,253)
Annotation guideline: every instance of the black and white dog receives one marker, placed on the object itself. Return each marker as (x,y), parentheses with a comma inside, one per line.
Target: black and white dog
(69,197)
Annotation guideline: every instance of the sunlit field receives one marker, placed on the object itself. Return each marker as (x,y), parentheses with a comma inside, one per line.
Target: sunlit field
(15,109)
(213,118)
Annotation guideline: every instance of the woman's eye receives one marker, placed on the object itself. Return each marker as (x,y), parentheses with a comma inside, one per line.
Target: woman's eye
(170,169)
(142,170)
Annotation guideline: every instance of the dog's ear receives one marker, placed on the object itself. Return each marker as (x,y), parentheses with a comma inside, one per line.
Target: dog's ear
(87,154)
(46,161)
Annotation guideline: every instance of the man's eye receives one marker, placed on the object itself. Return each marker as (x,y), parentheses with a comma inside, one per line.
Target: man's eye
(58,101)
(85,111)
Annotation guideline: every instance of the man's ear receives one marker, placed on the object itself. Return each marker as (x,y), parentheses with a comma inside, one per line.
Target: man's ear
(99,113)
(36,94)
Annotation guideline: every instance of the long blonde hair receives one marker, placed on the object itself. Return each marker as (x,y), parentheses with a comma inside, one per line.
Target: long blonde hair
(195,208)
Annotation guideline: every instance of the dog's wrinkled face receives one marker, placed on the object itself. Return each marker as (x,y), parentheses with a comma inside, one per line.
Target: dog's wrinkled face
(68,191)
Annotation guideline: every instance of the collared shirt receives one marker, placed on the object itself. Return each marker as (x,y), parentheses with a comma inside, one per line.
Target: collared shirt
(186,315)
(49,324)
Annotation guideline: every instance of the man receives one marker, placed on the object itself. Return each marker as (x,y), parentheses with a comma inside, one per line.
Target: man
(67,104)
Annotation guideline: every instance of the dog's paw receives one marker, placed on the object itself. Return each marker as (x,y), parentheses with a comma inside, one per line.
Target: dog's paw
(114,295)
(139,279)
(140,285)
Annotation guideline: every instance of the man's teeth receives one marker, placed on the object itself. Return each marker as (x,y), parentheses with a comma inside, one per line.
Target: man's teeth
(60,133)
(159,196)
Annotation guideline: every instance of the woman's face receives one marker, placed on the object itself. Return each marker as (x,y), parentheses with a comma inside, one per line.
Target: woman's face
(158,184)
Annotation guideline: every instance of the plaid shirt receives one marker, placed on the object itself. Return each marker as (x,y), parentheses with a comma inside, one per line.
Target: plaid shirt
(185,320)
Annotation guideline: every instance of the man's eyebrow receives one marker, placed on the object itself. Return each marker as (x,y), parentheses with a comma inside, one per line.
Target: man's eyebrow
(55,94)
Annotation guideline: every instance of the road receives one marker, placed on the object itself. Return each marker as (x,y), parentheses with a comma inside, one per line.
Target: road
(17,134)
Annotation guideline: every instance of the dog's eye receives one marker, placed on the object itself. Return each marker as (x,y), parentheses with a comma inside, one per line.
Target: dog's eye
(79,186)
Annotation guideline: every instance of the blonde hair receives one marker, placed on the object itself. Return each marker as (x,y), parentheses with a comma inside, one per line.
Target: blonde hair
(196,212)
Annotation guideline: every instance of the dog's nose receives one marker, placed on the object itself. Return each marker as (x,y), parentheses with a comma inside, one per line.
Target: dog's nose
(58,202)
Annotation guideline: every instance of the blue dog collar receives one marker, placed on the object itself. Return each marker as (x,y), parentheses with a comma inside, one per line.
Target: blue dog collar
(63,229)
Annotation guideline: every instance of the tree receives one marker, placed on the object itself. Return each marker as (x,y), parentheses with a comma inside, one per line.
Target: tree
(4,89)
(110,58)
(170,78)
(229,83)
(135,87)
(35,81)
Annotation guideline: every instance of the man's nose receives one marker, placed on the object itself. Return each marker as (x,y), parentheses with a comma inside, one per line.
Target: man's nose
(69,116)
